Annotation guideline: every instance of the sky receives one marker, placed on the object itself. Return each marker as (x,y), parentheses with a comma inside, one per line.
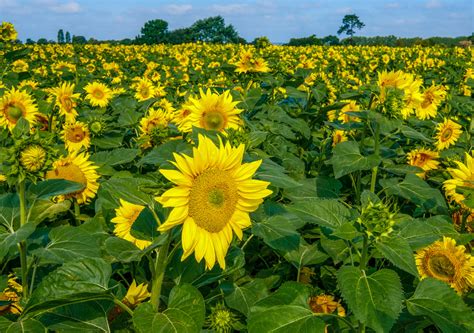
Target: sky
(277,19)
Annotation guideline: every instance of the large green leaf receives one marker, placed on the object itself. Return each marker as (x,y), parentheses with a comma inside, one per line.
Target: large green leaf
(163,153)
(185,313)
(74,282)
(440,303)
(12,238)
(320,187)
(347,158)
(9,211)
(305,255)
(325,212)
(122,250)
(399,252)
(243,297)
(375,300)
(276,175)
(21,326)
(290,293)
(114,157)
(52,187)
(278,232)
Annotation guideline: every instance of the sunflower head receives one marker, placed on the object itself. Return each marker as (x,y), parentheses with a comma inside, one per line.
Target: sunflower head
(16,104)
(76,136)
(447,133)
(462,178)
(33,158)
(377,219)
(66,100)
(221,319)
(126,214)
(98,94)
(445,261)
(12,295)
(423,158)
(325,304)
(7,32)
(136,294)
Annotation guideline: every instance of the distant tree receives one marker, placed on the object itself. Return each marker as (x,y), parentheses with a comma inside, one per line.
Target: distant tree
(214,30)
(179,36)
(68,37)
(42,41)
(261,42)
(349,23)
(60,36)
(153,32)
(311,40)
(330,40)
(79,40)
(29,41)
(92,41)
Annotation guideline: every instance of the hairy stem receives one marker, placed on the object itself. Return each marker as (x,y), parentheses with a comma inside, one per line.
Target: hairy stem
(160,267)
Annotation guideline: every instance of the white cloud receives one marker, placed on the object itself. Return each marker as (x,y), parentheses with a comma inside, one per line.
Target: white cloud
(66,8)
(178,9)
(431,4)
(232,8)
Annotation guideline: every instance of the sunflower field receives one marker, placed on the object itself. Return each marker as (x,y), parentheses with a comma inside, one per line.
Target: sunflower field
(235,188)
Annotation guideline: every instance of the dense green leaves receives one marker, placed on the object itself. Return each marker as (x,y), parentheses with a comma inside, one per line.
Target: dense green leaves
(278,232)
(347,158)
(327,213)
(399,252)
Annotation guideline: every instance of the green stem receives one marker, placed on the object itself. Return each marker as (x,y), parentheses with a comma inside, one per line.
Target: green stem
(363,257)
(160,267)
(77,213)
(377,154)
(246,242)
(346,321)
(22,245)
(123,306)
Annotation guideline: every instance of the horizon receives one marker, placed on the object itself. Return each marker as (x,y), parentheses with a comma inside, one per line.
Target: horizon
(278,20)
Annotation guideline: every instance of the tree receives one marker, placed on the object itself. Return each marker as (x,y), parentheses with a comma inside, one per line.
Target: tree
(154,31)
(330,40)
(42,41)
(214,30)
(79,40)
(29,41)
(68,37)
(179,36)
(60,36)
(349,23)
(311,40)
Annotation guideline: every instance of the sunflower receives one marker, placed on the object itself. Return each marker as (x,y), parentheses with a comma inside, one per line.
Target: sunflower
(211,112)
(7,32)
(153,128)
(98,94)
(424,159)
(14,105)
(33,158)
(126,215)
(77,168)
(430,100)
(3,178)
(11,294)
(76,136)
(412,98)
(342,114)
(214,195)
(445,261)
(66,100)
(325,304)
(386,80)
(136,294)
(338,136)
(144,90)
(448,132)
(463,177)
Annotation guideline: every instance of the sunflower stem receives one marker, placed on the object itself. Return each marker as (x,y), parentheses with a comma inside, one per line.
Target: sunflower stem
(77,213)
(22,244)
(363,257)
(373,181)
(160,267)
(123,306)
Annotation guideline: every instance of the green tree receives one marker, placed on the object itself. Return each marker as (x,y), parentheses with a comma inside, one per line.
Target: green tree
(350,22)
(79,40)
(68,37)
(261,42)
(330,40)
(214,30)
(154,31)
(60,36)
(42,41)
(29,41)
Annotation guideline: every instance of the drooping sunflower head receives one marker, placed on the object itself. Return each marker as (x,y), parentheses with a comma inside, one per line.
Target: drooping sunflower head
(76,167)
(76,136)
(7,32)
(125,216)
(98,94)
(462,178)
(136,294)
(445,261)
(213,197)
(325,304)
(66,100)
(16,104)
(423,158)
(448,132)
(211,111)
(12,294)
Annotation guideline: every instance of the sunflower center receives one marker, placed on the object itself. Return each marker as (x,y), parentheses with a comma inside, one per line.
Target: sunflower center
(69,172)
(442,267)
(66,103)
(446,134)
(76,134)
(213,199)
(14,112)
(97,93)
(213,120)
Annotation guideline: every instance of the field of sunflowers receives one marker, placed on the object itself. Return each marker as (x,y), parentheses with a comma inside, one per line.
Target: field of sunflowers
(233,188)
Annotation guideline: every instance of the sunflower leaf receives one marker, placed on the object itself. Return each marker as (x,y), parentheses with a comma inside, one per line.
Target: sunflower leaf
(347,158)
(399,252)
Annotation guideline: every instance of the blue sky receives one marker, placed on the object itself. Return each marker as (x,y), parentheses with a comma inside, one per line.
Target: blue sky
(277,19)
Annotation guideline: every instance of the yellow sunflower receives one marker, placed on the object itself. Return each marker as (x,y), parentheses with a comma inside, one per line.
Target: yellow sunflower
(445,261)
(338,136)
(136,294)
(77,168)
(430,100)
(448,132)
(65,100)
(214,195)
(16,104)
(144,90)
(76,136)
(424,159)
(325,304)
(7,32)
(212,112)
(126,215)
(153,127)
(398,80)
(98,94)
(463,177)
(3,178)
(33,158)
(12,294)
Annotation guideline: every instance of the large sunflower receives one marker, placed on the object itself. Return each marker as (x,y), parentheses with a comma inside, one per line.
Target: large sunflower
(424,159)
(65,100)
(211,112)
(463,177)
(16,104)
(214,195)
(126,215)
(77,168)
(448,132)
(445,261)
(431,99)
(98,94)
(76,136)
(144,90)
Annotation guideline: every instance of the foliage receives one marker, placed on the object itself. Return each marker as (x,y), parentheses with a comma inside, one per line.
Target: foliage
(350,22)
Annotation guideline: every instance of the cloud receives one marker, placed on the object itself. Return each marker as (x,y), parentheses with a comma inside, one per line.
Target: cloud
(66,8)
(344,10)
(392,5)
(178,9)
(432,4)
(232,8)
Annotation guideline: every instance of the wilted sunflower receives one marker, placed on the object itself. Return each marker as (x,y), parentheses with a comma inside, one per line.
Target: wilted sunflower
(325,304)
(214,195)
(463,177)
(448,132)
(11,294)
(76,136)
(65,100)
(445,261)
(7,32)
(430,100)
(126,215)
(424,159)
(136,294)
(77,168)
(14,105)
(98,94)
(211,112)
